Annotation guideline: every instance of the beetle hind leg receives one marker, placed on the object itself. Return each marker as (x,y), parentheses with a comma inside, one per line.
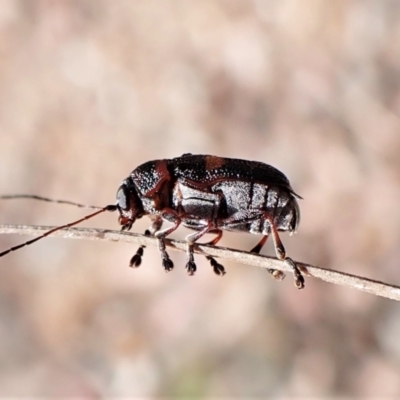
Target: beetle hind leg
(191,239)
(298,277)
(257,248)
(281,253)
(276,274)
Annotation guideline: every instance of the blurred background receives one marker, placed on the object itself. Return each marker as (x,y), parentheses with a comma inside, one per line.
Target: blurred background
(90,89)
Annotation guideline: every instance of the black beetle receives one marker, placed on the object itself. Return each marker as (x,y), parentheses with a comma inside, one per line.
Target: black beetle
(207,194)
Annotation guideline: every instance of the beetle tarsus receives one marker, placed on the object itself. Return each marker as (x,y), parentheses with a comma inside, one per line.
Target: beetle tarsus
(299,282)
(191,267)
(217,267)
(167,264)
(136,260)
(276,274)
(298,277)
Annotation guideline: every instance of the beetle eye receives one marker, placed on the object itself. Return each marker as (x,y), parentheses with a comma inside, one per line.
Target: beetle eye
(122,198)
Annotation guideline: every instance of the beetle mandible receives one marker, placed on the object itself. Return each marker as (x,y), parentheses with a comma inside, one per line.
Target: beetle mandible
(207,194)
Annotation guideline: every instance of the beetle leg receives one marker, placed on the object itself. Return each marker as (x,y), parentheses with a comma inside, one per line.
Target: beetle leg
(216,239)
(217,267)
(191,239)
(170,216)
(281,253)
(136,260)
(278,275)
(257,248)
(298,277)
(230,222)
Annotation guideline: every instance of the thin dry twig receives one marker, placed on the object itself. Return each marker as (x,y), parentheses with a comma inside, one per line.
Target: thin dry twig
(242,257)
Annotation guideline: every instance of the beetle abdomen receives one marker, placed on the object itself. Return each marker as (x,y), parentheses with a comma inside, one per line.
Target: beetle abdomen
(282,207)
(263,204)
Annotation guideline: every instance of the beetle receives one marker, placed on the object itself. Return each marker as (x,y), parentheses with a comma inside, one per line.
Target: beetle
(209,195)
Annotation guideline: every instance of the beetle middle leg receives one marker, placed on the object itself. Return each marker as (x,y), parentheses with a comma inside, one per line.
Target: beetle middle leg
(155,226)
(191,239)
(217,267)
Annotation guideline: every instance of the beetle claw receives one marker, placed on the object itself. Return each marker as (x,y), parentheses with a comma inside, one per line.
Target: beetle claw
(276,274)
(298,277)
(191,267)
(299,282)
(217,267)
(168,265)
(136,260)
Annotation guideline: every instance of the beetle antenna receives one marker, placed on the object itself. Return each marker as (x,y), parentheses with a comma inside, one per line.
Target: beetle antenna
(111,207)
(34,197)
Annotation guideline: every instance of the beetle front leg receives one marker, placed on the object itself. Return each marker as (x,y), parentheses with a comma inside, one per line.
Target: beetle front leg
(136,260)
(155,226)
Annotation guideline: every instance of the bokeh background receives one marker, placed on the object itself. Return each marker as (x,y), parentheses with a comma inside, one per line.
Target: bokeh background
(90,89)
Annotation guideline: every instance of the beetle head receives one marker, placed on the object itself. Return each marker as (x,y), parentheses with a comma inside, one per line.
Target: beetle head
(129,204)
